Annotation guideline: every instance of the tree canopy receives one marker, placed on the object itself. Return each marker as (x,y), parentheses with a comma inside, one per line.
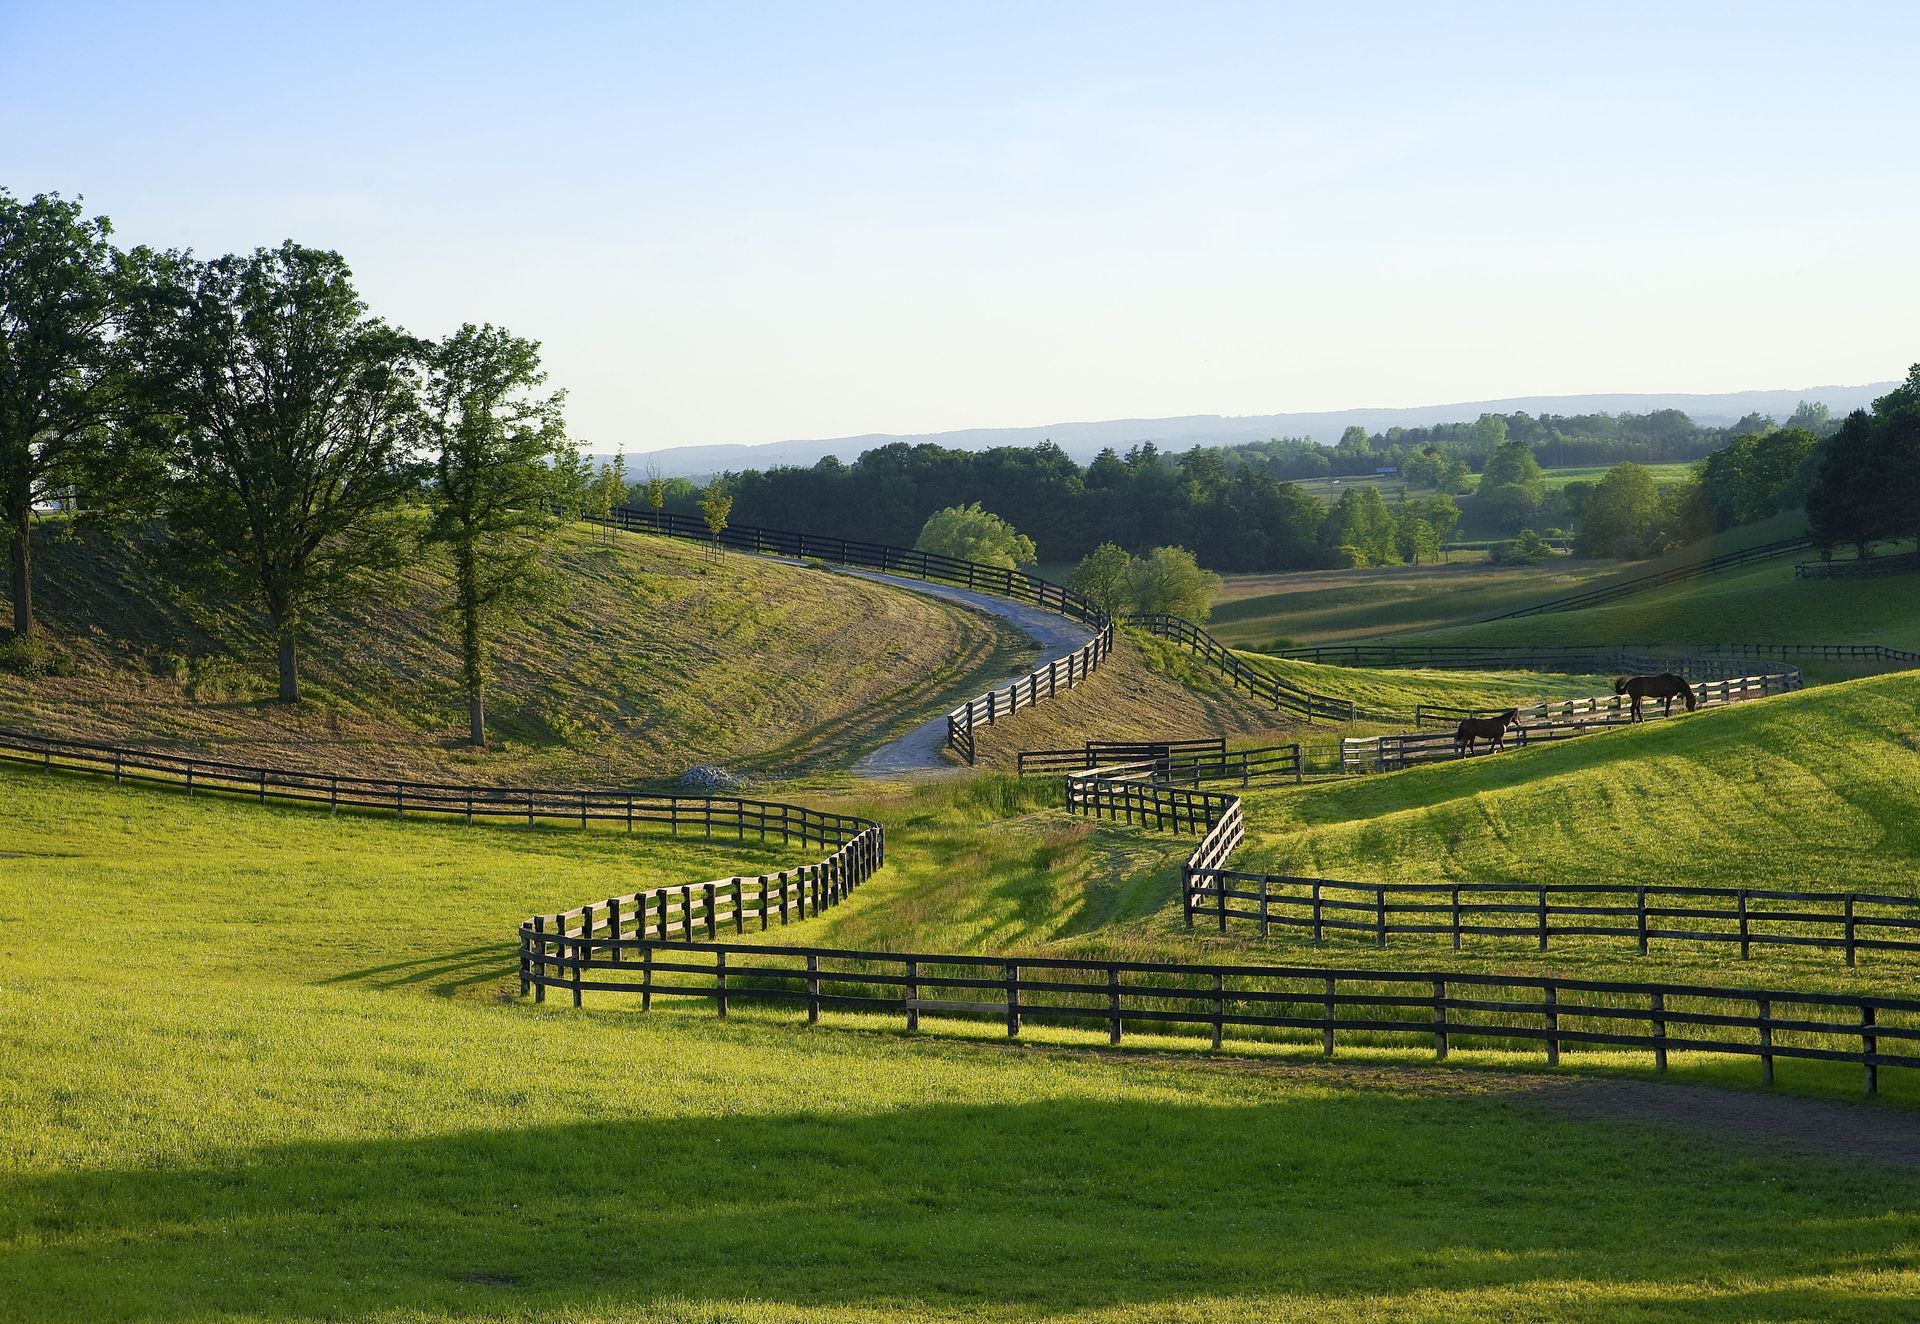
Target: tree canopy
(969,533)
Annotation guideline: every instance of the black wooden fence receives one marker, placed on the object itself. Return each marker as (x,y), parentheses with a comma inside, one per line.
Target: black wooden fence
(1284,695)
(1250,1003)
(1041,683)
(1096,753)
(1900,563)
(1746,917)
(858,844)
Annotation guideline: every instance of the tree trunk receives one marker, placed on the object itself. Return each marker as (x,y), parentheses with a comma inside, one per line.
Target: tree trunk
(289,661)
(21,572)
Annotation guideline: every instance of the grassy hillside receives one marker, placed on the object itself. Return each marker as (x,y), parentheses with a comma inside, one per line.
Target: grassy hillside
(1147,689)
(1399,691)
(284,1086)
(1334,606)
(648,655)
(1808,790)
(1760,603)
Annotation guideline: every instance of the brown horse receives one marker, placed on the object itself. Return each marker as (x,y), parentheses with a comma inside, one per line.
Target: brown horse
(1485,728)
(1666,687)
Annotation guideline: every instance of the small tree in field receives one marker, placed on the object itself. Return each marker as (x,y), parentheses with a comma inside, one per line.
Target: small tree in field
(656,488)
(505,479)
(1104,577)
(608,490)
(968,533)
(716,504)
(1171,582)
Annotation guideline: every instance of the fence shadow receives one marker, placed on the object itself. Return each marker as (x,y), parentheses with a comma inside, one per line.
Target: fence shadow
(1073,1203)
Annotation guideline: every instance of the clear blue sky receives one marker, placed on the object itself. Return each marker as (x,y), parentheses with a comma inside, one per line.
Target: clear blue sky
(750,222)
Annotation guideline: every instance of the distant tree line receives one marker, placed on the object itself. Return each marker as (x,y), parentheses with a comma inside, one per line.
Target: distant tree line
(294,446)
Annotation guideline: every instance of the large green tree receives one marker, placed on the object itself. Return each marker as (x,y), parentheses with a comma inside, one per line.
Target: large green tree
(1170,581)
(969,533)
(1104,577)
(1621,514)
(295,419)
(505,479)
(58,279)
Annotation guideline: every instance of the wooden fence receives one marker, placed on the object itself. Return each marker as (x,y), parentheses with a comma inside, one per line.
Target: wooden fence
(1253,1004)
(1706,662)
(1747,917)
(1900,563)
(858,844)
(1284,695)
(1037,685)
(1095,753)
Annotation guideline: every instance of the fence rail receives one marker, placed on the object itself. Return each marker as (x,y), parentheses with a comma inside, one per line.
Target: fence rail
(1284,695)
(1645,583)
(1847,922)
(858,844)
(1696,662)
(1899,563)
(1039,684)
(1437,1011)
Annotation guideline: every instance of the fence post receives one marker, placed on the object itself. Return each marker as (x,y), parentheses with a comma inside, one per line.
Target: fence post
(1543,918)
(646,975)
(613,926)
(1456,921)
(720,981)
(1265,883)
(913,996)
(1220,891)
(1766,1040)
(1641,906)
(1746,938)
(1318,927)
(1013,998)
(813,988)
(739,909)
(707,890)
(1113,1004)
(579,947)
(1553,1025)
(1869,1046)
(540,948)
(1659,1031)
(1440,1020)
(1219,1007)
(1850,900)
(1326,1034)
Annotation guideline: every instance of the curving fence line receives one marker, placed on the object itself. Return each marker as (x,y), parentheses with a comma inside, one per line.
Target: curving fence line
(856,846)
(1037,685)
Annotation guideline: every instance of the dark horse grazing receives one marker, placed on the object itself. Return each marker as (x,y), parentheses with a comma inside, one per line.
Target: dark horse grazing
(1666,687)
(1485,728)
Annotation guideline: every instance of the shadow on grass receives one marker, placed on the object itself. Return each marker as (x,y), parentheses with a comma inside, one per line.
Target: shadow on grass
(1327,1201)
(447,972)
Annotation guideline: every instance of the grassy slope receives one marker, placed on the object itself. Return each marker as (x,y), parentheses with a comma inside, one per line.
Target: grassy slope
(1761,604)
(1147,689)
(280,1120)
(1398,691)
(1806,790)
(649,655)
(1332,606)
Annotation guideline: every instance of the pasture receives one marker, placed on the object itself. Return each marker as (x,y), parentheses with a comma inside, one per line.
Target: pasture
(283,1073)
(293,1084)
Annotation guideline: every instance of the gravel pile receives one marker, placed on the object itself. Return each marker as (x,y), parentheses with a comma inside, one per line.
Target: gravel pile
(706,778)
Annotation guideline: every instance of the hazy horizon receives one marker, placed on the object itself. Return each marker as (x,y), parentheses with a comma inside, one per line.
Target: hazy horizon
(737,224)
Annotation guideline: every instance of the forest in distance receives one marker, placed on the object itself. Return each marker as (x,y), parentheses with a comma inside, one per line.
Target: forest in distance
(1254,507)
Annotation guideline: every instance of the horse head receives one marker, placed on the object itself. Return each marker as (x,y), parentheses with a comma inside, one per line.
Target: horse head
(1620,684)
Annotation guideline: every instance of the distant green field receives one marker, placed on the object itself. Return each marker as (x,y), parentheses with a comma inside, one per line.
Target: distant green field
(1335,606)
(1663,475)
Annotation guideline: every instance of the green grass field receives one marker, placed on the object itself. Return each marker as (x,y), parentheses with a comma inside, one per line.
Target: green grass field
(1334,606)
(279,1070)
(291,1084)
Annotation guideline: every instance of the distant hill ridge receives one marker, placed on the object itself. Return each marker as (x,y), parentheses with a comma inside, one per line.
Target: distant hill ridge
(1085,440)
